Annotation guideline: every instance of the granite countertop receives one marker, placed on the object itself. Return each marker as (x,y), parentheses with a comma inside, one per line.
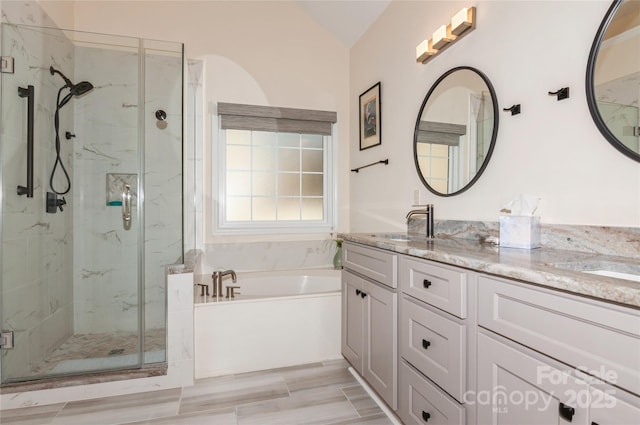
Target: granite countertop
(552,268)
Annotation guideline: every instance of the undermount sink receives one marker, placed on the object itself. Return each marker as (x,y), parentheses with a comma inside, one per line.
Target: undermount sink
(617,275)
(401,237)
(617,270)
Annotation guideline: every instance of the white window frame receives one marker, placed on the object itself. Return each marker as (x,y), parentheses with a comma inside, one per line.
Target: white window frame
(222,226)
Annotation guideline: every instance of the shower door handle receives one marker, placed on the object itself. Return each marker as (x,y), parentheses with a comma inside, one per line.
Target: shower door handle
(29,94)
(126,206)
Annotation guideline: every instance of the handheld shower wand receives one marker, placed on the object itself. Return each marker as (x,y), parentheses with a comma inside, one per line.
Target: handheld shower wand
(74,90)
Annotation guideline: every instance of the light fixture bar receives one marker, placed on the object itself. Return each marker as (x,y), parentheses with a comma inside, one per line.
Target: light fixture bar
(461,24)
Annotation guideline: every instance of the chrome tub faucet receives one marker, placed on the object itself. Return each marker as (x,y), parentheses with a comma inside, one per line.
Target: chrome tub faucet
(217,281)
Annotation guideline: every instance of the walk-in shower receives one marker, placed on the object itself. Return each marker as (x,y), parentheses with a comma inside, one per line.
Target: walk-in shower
(83,288)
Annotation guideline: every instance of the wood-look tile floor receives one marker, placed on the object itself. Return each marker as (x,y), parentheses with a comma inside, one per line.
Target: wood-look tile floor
(318,393)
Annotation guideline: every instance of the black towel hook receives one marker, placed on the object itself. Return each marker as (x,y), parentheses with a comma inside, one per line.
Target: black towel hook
(515,109)
(562,93)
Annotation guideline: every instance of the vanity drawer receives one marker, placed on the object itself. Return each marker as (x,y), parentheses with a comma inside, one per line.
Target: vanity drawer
(442,287)
(435,345)
(373,263)
(603,339)
(420,402)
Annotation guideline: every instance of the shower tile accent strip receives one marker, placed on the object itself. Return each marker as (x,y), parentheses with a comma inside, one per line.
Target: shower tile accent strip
(325,391)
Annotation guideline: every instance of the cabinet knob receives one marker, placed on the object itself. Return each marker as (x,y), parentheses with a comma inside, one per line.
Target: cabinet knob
(425,416)
(363,294)
(425,344)
(357,292)
(426,283)
(566,412)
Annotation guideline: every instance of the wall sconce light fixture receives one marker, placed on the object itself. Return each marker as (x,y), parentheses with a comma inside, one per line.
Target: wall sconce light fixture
(461,24)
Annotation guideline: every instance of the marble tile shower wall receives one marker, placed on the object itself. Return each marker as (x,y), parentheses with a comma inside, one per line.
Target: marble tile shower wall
(163,179)
(36,246)
(106,255)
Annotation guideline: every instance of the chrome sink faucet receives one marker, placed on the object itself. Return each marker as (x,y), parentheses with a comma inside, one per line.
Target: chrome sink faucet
(217,281)
(428,212)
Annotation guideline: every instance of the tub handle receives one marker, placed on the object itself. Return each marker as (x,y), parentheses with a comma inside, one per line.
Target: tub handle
(204,289)
(231,291)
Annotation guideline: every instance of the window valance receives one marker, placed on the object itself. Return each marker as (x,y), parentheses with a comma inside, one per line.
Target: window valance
(237,116)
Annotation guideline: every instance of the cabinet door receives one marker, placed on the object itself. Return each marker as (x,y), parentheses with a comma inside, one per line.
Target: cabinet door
(516,388)
(380,352)
(612,406)
(352,319)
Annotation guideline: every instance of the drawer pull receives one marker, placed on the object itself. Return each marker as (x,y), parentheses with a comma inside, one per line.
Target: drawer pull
(566,412)
(426,283)
(425,416)
(425,344)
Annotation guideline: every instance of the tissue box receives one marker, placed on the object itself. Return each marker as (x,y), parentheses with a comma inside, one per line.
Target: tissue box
(520,231)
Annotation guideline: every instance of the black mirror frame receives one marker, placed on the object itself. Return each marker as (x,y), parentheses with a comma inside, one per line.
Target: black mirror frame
(494,133)
(590,89)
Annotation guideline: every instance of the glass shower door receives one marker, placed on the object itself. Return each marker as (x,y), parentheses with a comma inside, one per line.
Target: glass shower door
(72,271)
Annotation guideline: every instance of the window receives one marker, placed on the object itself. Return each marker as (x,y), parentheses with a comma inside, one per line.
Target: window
(274,174)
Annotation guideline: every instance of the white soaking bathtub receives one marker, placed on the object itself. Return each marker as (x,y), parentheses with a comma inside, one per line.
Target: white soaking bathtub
(280,318)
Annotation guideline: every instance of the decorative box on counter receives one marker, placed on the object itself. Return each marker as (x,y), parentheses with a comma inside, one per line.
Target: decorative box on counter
(520,231)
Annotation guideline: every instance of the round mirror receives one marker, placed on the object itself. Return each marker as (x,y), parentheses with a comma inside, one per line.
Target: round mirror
(455,131)
(613,77)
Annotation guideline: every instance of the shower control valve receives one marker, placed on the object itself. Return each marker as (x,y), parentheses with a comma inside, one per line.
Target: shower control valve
(53,203)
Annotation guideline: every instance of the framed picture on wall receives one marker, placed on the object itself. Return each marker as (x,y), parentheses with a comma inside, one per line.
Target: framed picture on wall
(370,118)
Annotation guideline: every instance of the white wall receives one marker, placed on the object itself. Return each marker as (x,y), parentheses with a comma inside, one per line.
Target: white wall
(552,150)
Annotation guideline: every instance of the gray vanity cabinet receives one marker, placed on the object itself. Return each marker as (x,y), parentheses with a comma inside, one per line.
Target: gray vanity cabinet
(369,317)
(474,348)
(535,348)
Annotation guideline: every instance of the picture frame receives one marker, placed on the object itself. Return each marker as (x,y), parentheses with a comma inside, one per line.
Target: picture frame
(370,117)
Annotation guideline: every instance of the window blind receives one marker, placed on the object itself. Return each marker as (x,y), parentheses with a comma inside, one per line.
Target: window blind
(235,116)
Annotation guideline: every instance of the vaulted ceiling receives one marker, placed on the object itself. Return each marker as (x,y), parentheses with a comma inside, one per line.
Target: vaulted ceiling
(347,20)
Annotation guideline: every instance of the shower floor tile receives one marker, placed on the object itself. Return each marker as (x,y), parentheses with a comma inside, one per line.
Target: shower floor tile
(100,346)
(320,393)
